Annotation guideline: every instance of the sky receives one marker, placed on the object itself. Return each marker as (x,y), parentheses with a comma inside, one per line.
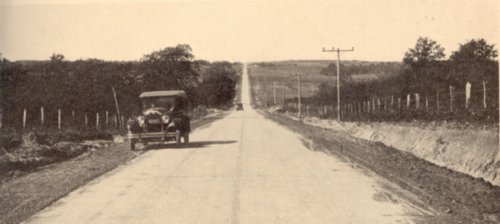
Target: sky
(237,30)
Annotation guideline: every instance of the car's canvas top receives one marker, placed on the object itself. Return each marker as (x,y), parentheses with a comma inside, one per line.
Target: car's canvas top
(163,93)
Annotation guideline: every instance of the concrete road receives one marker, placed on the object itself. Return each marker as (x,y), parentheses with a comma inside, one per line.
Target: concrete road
(240,169)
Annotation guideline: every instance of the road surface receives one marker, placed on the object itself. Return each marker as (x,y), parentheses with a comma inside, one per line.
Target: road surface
(240,169)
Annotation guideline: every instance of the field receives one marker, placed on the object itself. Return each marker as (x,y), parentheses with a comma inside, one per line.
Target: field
(264,74)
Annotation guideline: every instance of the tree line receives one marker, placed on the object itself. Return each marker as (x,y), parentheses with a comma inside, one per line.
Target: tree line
(86,85)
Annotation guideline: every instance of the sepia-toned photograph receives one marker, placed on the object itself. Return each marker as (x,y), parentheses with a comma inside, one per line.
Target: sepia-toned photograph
(249,112)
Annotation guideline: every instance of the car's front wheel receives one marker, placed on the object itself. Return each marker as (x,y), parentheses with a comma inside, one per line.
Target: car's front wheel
(178,136)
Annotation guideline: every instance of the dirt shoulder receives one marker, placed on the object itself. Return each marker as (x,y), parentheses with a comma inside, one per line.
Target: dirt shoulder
(456,197)
(23,196)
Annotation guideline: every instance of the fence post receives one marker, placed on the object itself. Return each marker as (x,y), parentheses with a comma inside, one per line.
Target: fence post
(484,94)
(41,116)
(265,98)
(86,120)
(97,120)
(24,118)
(417,101)
(122,120)
(437,100)
(408,101)
(59,118)
(392,102)
(451,98)
(116,121)
(399,103)
(426,102)
(107,115)
(467,93)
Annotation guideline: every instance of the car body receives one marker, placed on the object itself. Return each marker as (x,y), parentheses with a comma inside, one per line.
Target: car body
(163,118)
(239,106)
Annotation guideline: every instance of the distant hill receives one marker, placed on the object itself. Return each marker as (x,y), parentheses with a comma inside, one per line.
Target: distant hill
(358,70)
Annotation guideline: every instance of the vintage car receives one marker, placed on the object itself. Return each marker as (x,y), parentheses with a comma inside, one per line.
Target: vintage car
(163,118)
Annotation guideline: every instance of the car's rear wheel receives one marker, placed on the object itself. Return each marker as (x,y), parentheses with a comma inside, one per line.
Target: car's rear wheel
(132,144)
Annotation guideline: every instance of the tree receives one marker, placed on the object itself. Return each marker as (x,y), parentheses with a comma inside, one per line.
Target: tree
(475,61)
(170,68)
(421,64)
(426,51)
(474,51)
(56,57)
(219,87)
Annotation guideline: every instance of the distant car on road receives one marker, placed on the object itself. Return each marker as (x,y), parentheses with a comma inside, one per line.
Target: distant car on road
(239,106)
(163,118)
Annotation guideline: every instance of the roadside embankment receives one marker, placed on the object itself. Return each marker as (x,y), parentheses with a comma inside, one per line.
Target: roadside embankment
(469,150)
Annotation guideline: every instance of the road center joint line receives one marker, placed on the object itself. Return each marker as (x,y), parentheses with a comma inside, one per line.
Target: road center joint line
(235,219)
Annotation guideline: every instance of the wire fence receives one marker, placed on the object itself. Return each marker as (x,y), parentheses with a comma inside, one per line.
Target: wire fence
(55,118)
(451,103)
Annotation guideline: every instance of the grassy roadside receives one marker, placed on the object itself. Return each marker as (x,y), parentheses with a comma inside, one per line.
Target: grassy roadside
(458,198)
(22,197)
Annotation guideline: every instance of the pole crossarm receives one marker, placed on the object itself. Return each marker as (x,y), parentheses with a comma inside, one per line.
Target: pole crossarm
(337,50)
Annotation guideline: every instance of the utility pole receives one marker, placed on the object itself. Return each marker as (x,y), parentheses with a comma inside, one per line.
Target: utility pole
(274,92)
(117,108)
(338,50)
(265,93)
(283,92)
(298,82)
